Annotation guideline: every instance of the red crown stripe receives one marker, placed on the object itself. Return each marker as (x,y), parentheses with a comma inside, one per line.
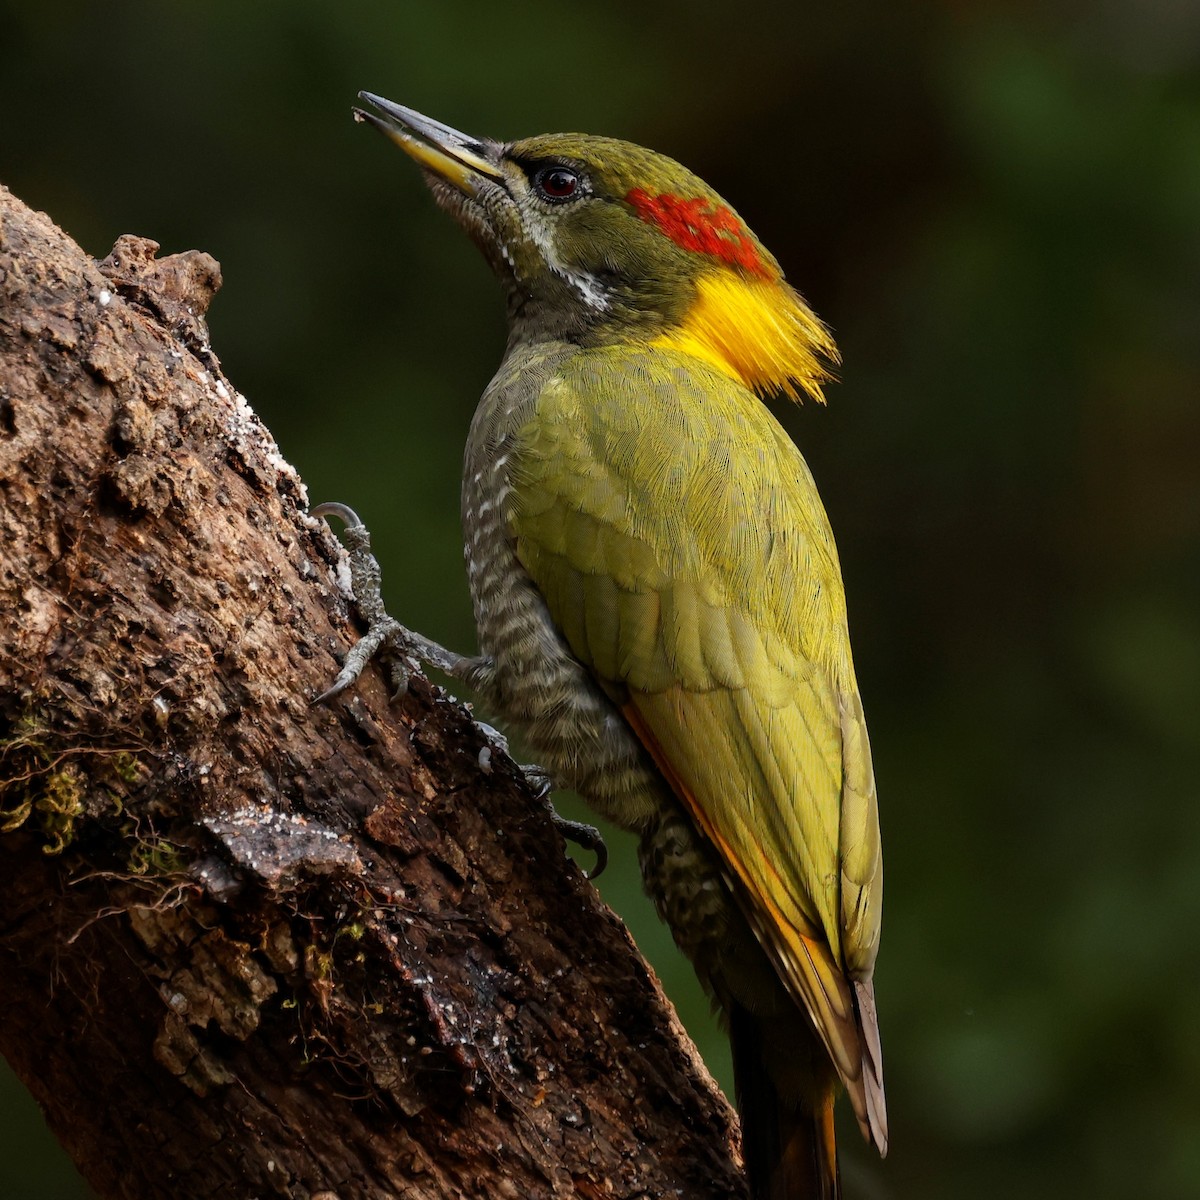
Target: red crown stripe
(699,225)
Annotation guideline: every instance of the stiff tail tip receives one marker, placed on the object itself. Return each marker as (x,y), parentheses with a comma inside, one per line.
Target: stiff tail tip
(873,1116)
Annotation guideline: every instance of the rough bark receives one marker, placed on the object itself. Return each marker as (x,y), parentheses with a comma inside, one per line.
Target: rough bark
(249,947)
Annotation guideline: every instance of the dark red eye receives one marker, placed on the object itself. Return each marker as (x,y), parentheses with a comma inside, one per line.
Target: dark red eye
(556,184)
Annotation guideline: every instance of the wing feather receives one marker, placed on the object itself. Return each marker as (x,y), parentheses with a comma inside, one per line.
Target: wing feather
(680,544)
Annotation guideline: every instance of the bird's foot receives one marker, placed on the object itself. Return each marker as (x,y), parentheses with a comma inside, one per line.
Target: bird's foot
(398,647)
(541,783)
(587,837)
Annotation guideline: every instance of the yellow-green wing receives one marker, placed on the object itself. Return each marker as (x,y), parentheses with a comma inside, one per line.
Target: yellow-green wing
(680,544)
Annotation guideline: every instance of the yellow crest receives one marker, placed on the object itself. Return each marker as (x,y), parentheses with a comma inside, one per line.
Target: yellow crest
(757,331)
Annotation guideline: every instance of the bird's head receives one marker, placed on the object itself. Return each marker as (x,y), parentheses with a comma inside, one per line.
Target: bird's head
(597,239)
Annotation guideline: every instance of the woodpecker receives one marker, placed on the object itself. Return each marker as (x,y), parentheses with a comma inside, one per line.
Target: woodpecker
(659,602)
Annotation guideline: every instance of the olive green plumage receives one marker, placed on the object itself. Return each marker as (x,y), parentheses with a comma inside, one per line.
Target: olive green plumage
(686,558)
(659,602)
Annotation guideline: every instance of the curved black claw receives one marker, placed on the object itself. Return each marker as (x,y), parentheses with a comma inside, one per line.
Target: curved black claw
(538,779)
(588,837)
(388,636)
(344,513)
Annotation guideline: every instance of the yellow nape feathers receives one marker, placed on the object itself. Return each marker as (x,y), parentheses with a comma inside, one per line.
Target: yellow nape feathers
(759,332)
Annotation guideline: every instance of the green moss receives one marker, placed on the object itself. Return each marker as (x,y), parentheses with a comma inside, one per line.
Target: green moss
(38,783)
(59,806)
(318,964)
(22,760)
(16,816)
(52,785)
(157,856)
(128,768)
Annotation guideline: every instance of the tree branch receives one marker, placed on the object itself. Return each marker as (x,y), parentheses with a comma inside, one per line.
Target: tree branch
(249,947)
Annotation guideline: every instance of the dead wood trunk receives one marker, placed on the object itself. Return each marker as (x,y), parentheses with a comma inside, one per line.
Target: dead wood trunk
(248,947)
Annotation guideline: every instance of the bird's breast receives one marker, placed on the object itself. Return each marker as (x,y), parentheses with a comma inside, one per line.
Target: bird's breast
(534,682)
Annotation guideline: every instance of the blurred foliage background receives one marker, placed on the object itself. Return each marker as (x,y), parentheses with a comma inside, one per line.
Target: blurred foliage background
(997,208)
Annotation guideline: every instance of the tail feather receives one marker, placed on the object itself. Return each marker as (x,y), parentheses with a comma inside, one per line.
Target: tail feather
(875,1129)
(790,1150)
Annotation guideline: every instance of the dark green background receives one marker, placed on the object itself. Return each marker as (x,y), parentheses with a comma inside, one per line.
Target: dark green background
(997,208)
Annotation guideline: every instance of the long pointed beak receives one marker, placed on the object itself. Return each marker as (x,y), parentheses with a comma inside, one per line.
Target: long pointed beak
(461,160)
